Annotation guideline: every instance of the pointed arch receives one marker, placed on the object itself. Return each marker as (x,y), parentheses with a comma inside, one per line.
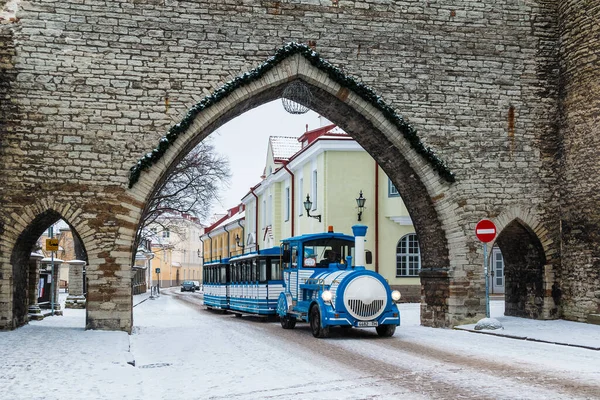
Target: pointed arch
(21,239)
(422,179)
(528,275)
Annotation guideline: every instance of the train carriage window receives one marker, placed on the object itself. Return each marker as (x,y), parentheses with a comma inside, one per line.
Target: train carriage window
(236,268)
(294,255)
(223,274)
(276,273)
(322,252)
(262,265)
(245,272)
(253,271)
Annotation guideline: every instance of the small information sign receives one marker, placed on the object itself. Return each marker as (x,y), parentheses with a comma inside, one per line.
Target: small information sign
(52,244)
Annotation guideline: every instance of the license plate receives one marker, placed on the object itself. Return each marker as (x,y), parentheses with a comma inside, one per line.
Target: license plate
(367,323)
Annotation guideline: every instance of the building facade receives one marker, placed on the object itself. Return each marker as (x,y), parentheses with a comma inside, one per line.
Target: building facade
(225,237)
(177,250)
(328,168)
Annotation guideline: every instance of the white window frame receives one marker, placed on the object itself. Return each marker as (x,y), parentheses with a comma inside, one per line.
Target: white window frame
(300,198)
(287,203)
(314,198)
(405,256)
(270,209)
(392,190)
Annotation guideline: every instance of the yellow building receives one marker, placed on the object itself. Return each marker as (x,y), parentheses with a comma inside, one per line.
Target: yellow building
(225,237)
(331,170)
(177,250)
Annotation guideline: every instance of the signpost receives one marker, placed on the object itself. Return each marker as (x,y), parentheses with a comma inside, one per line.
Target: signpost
(52,245)
(485,230)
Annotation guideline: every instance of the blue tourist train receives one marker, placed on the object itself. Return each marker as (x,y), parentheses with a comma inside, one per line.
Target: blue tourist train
(316,278)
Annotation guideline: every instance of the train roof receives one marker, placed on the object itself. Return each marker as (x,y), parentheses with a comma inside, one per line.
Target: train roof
(272,251)
(217,262)
(316,236)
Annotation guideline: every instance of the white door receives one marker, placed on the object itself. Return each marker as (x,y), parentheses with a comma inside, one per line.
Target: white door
(497,273)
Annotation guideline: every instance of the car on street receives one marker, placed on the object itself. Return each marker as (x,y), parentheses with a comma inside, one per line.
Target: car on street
(188,286)
(196,285)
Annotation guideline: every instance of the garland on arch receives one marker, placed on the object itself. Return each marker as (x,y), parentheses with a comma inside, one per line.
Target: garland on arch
(365,92)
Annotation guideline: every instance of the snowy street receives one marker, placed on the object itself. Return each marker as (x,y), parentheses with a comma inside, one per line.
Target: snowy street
(182,350)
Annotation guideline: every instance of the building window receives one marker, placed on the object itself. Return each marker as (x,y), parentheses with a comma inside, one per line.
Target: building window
(287,203)
(392,191)
(408,256)
(313,195)
(270,210)
(300,199)
(166,233)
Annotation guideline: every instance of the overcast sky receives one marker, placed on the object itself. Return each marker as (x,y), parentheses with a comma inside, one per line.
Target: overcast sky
(244,142)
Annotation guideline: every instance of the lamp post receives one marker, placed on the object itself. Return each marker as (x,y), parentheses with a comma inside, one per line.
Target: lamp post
(360,202)
(308,206)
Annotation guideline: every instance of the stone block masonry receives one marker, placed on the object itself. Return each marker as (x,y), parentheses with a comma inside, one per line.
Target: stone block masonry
(88,87)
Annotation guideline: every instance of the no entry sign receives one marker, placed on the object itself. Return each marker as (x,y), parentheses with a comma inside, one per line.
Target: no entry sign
(485,230)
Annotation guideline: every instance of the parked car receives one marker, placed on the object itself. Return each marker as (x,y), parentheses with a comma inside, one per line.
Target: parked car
(196,285)
(188,286)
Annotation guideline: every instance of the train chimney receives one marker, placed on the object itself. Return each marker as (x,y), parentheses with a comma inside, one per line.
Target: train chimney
(359,231)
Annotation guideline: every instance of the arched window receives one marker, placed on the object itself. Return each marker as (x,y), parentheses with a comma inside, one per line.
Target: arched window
(408,256)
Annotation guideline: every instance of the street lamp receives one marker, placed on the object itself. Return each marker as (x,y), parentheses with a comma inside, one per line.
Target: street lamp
(308,206)
(360,202)
(237,240)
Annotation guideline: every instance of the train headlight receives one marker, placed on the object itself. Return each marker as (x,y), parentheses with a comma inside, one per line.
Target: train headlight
(396,296)
(327,296)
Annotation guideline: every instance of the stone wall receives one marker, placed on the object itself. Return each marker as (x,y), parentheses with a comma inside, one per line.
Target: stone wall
(100,82)
(580,131)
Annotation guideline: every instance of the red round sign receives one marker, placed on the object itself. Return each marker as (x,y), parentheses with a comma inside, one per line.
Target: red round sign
(485,230)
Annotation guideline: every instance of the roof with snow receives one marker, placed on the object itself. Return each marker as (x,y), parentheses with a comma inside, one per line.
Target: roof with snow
(284,147)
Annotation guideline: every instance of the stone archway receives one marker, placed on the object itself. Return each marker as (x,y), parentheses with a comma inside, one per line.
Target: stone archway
(21,254)
(528,276)
(420,177)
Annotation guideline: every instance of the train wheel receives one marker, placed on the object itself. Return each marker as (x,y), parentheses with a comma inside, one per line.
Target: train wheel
(288,322)
(386,330)
(315,323)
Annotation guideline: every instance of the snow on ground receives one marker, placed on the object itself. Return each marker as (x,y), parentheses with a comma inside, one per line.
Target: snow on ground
(180,352)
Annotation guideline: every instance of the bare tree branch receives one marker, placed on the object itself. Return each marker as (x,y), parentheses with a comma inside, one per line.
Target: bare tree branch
(192,187)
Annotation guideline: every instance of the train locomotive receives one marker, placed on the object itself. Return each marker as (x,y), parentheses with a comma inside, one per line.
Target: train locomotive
(323,287)
(317,278)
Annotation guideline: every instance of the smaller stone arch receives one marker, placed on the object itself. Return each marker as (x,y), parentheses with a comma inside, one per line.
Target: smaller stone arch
(527,272)
(22,246)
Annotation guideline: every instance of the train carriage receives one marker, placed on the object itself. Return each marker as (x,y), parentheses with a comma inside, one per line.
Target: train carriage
(255,282)
(215,283)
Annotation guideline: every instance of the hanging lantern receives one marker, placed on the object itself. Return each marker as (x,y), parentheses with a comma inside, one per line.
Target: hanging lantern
(296,98)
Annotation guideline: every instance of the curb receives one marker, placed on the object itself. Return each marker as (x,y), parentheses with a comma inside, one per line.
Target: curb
(529,339)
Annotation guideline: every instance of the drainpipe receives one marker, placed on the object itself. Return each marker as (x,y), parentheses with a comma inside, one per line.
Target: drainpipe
(293,195)
(256,218)
(211,252)
(228,239)
(202,263)
(376,217)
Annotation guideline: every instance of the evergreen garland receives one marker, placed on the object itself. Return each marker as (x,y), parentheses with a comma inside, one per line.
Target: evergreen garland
(333,72)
